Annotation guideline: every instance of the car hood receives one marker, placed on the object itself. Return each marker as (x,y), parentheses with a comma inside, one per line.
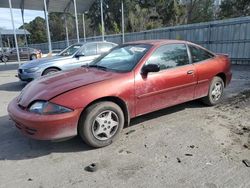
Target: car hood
(42,61)
(47,87)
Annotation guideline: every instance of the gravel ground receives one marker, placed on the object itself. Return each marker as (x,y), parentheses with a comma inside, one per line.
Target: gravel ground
(189,145)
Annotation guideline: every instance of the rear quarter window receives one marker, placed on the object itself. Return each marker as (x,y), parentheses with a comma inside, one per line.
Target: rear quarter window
(90,49)
(104,47)
(199,54)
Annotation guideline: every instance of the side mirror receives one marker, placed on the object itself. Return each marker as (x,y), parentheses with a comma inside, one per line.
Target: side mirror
(79,55)
(150,68)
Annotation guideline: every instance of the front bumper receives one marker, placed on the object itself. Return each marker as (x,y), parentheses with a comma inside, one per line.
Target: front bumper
(24,76)
(44,127)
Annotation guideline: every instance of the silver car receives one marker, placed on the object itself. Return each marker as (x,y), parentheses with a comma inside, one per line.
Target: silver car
(72,57)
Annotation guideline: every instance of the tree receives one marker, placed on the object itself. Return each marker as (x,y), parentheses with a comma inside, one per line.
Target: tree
(234,8)
(198,11)
(37,30)
(56,24)
(139,15)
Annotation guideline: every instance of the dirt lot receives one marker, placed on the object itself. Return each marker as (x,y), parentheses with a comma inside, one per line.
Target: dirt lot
(189,145)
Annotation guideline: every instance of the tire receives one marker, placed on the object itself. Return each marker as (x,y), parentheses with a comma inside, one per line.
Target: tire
(50,71)
(97,117)
(32,56)
(215,92)
(4,59)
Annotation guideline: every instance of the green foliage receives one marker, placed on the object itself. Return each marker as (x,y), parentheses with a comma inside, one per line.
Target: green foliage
(37,30)
(56,24)
(199,11)
(234,8)
(116,28)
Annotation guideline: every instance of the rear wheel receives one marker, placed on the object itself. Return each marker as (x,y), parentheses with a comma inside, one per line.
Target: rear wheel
(101,124)
(32,56)
(50,71)
(4,59)
(215,92)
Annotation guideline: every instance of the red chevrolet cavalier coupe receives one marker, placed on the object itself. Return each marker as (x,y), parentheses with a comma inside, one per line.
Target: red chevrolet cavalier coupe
(97,100)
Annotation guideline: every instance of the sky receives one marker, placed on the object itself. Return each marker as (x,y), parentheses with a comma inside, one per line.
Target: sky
(5,18)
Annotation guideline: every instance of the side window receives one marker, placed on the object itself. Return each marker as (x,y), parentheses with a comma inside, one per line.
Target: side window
(90,49)
(169,56)
(199,54)
(104,47)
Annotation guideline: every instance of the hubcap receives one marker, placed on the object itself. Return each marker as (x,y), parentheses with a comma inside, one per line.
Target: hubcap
(217,91)
(51,72)
(4,59)
(105,125)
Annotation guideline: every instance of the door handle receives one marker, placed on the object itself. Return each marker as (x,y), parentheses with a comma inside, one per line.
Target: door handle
(190,72)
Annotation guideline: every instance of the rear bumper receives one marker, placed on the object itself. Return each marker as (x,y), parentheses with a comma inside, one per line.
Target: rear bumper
(44,127)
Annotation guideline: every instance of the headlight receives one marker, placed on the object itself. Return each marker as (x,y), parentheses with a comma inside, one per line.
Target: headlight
(48,108)
(34,69)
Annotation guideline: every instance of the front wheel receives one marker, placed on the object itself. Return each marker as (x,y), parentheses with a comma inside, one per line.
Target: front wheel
(101,124)
(215,92)
(50,71)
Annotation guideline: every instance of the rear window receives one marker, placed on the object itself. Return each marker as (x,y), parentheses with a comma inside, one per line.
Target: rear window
(199,54)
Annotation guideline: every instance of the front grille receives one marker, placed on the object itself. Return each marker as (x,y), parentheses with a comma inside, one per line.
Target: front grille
(30,131)
(20,71)
(22,107)
(27,130)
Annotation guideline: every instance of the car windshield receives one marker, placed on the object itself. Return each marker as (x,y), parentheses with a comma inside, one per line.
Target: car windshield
(70,50)
(122,58)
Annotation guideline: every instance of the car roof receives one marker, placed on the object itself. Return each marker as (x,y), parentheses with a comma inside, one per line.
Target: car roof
(157,42)
(90,42)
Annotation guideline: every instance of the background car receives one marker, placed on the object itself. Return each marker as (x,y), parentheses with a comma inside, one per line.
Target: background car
(24,53)
(53,53)
(72,57)
(99,99)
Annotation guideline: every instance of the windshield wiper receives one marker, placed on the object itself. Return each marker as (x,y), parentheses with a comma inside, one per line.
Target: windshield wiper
(98,67)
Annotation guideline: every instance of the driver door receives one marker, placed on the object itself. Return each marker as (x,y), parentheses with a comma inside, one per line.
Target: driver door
(173,84)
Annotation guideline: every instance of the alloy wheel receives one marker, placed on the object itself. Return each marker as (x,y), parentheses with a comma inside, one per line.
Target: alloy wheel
(217,91)
(105,125)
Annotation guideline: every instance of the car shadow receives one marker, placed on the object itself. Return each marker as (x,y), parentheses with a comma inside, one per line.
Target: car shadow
(8,66)
(15,146)
(166,111)
(13,86)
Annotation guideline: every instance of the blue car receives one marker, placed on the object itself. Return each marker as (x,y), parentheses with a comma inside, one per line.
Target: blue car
(72,57)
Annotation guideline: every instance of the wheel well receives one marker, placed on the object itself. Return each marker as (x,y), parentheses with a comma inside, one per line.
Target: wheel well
(51,68)
(223,77)
(117,101)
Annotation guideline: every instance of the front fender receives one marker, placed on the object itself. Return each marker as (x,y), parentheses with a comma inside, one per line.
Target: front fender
(81,97)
